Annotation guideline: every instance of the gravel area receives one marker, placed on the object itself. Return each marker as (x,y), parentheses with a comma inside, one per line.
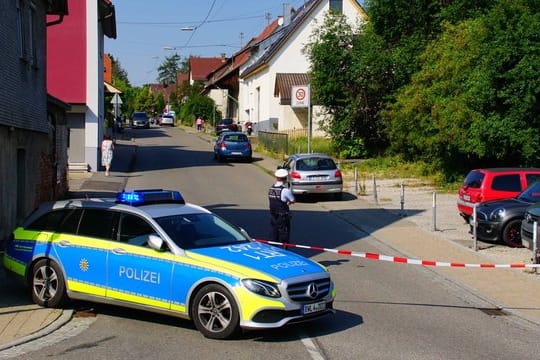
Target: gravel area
(429,209)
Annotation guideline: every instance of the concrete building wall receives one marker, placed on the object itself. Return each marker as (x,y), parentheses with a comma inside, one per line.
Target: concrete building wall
(24,127)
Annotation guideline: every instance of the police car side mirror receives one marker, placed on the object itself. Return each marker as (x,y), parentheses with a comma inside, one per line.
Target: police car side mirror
(155,242)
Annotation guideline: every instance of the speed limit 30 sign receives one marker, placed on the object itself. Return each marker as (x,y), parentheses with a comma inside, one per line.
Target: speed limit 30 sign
(300,96)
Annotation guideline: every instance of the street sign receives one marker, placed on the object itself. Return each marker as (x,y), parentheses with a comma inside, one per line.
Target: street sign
(116,99)
(300,96)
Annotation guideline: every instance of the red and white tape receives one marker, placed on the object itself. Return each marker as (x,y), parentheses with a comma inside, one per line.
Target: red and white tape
(402,260)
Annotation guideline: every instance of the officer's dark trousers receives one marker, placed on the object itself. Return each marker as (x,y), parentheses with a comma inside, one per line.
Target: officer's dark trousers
(281,227)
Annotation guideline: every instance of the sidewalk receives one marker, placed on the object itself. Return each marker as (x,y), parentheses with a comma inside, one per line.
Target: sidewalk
(516,291)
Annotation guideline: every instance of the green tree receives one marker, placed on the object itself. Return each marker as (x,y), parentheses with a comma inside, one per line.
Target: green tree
(477,95)
(118,72)
(168,70)
(144,100)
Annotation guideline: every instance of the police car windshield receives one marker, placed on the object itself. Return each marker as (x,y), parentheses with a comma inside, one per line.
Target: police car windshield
(192,231)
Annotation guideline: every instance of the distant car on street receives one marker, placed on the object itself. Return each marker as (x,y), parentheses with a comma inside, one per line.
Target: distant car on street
(140,119)
(232,145)
(314,173)
(167,119)
(226,125)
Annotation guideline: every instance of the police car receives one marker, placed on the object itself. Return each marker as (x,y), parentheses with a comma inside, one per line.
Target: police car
(151,250)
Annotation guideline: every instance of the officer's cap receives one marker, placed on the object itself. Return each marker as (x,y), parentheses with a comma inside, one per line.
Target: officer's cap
(281,173)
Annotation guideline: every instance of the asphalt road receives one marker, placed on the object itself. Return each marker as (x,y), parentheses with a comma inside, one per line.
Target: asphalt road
(383,310)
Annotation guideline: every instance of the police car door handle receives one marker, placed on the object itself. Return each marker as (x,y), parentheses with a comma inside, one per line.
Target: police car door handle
(119,251)
(64,243)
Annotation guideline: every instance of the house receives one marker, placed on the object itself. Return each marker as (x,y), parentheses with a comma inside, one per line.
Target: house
(32,123)
(200,69)
(278,63)
(75,50)
(167,89)
(226,77)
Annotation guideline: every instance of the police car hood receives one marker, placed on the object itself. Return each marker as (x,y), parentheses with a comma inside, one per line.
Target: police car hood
(254,259)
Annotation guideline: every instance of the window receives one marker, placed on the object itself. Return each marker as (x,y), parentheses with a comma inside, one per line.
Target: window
(336,6)
(32,27)
(70,223)
(21,38)
(50,221)
(507,183)
(134,230)
(532,178)
(97,223)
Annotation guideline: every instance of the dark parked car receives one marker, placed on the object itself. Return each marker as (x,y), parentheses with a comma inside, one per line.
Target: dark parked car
(234,145)
(314,174)
(532,215)
(500,220)
(140,119)
(226,125)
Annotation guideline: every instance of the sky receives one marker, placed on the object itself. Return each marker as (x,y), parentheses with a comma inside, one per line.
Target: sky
(148,31)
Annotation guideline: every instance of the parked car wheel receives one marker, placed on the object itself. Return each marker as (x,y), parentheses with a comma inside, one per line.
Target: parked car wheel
(512,233)
(215,313)
(48,286)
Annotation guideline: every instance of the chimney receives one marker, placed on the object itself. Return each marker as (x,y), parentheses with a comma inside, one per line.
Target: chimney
(287,14)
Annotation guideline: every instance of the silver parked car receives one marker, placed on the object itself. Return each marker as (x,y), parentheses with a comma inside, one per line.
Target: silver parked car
(314,174)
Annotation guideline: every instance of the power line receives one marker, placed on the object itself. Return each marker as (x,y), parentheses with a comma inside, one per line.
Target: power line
(189,22)
(202,22)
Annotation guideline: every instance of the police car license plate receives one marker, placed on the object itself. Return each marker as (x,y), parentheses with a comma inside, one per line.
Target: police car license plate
(315,307)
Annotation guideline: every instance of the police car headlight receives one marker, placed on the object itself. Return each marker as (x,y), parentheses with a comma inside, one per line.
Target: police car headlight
(498,214)
(263,288)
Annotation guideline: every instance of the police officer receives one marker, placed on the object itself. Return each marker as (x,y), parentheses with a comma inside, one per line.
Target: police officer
(280,197)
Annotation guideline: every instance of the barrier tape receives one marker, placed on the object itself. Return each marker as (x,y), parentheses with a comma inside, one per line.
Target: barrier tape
(402,260)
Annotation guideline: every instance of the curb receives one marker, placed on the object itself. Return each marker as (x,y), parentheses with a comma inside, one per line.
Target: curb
(63,319)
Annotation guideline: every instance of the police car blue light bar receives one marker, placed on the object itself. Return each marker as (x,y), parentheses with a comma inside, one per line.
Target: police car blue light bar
(146,197)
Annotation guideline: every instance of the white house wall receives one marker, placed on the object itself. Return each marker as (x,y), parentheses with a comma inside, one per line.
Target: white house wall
(94,124)
(267,114)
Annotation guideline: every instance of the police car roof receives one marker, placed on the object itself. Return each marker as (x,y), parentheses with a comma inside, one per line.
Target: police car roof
(151,210)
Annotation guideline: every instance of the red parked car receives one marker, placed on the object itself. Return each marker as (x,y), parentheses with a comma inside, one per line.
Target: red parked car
(492,184)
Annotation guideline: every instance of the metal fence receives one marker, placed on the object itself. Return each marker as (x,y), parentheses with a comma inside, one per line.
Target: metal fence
(274,141)
(278,141)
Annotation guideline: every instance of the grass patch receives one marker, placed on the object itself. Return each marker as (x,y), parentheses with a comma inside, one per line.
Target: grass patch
(385,167)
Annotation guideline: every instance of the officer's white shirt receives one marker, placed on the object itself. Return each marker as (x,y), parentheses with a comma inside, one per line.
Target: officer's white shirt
(286,193)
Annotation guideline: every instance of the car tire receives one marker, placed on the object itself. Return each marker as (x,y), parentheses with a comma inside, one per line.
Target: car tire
(47,284)
(215,313)
(511,234)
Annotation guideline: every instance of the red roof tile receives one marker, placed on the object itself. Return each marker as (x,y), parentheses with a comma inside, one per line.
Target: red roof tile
(201,67)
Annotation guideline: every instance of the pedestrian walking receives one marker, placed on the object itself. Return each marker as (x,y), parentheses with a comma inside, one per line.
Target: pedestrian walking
(107,152)
(199,123)
(280,197)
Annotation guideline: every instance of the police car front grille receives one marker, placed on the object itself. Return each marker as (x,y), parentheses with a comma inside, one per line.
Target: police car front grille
(299,291)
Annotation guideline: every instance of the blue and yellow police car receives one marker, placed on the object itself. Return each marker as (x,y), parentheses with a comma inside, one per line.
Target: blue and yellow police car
(151,250)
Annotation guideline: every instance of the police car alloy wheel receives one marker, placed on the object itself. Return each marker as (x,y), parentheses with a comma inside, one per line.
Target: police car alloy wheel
(48,286)
(215,313)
